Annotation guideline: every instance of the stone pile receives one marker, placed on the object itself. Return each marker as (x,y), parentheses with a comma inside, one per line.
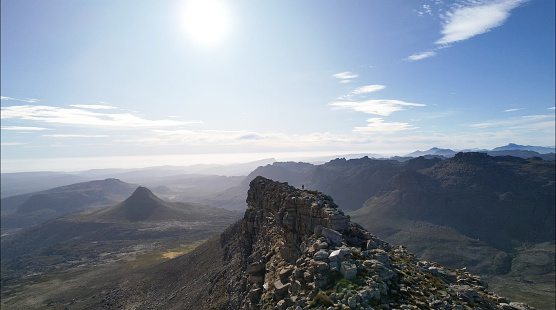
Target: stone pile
(301,252)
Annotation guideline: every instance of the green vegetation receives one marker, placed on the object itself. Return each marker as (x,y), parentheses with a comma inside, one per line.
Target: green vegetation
(335,276)
(152,258)
(321,299)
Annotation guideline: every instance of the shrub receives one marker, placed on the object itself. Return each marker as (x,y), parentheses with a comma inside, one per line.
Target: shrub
(321,299)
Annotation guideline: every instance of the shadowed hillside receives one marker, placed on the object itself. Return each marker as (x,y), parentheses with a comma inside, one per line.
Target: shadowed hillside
(295,249)
(474,211)
(142,221)
(31,209)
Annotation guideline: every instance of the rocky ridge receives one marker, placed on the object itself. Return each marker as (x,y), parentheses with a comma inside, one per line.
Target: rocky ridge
(299,251)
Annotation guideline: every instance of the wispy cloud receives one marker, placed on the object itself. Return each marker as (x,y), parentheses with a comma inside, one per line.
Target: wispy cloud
(367,89)
(23,128)
(12,143)
(75,136)
(426,10)
(512,110)
(378,125)
(93,106)
(345,77)
(82,117)
(29,100)
(274,140)
(515,122)
(379,107)
(466,19)
(420,56)
(552,108)
(472,18)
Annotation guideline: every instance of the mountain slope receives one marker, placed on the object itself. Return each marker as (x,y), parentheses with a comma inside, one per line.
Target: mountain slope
(142,218)
(351,181)
(31,209)
(473,211)
(295,249)
(499,200)
(142,205)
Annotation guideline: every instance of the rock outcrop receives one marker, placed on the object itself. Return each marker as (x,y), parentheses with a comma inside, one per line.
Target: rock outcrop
(299,251)
(294,250)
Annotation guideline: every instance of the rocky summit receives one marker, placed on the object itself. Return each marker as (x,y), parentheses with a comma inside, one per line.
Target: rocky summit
(303,252)
(295,249)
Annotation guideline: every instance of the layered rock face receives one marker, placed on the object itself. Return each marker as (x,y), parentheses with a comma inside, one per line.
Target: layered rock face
(299,251)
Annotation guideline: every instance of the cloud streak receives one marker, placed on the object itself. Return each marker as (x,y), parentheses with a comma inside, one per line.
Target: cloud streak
(75,136)
(23,128)
(80,117)
(345,77)
(378,125)
(524,122)
(381,107)
(367,89)
(243,138)
(12,143)
(93,106)
(420,56)
(28,100)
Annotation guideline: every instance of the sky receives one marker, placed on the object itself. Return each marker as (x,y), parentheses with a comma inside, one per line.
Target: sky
(111,84)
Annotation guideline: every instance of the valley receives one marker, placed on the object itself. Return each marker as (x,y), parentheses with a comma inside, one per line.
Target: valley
(492,215)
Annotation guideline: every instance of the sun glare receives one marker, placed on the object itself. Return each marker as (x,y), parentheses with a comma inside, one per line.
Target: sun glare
(206,22)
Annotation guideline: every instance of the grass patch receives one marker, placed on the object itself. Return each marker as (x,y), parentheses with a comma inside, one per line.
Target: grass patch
(149,259)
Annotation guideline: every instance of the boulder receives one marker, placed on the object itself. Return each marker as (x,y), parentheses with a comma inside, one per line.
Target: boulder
(348,270)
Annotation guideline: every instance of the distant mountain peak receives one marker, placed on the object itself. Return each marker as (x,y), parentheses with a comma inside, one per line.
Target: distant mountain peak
(141,204)
(142,192)
(514,146)
(433,151)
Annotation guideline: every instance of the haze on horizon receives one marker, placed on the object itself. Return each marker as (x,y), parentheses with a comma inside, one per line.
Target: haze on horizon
(213,80)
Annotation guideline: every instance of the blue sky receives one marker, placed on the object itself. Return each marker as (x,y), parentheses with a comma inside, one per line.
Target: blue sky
(89,84)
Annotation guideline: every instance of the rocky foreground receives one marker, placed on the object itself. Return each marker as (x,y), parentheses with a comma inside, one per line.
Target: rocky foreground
(293,250)
(303,252)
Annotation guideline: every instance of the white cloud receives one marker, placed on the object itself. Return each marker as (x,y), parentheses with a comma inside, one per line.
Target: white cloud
(377,125)
(552,108)
(466,19)
(475,17)
(81,117)
(420,56)
(75,136)
(93,106)
(426,10)
(242,138)
(22,128)
(29,100)
(367,89)
(345,77)
(379,107)
(512,110)
(11,143)
(515,122)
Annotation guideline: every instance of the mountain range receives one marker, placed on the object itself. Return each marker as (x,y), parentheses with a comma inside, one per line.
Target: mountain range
(490,215)
(142,221)
(293,249)
(30,209)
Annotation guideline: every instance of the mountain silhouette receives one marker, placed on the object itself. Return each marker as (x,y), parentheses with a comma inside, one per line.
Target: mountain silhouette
(142,205)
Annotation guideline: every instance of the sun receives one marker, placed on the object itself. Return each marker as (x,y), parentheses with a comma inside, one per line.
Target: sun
(206,22)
